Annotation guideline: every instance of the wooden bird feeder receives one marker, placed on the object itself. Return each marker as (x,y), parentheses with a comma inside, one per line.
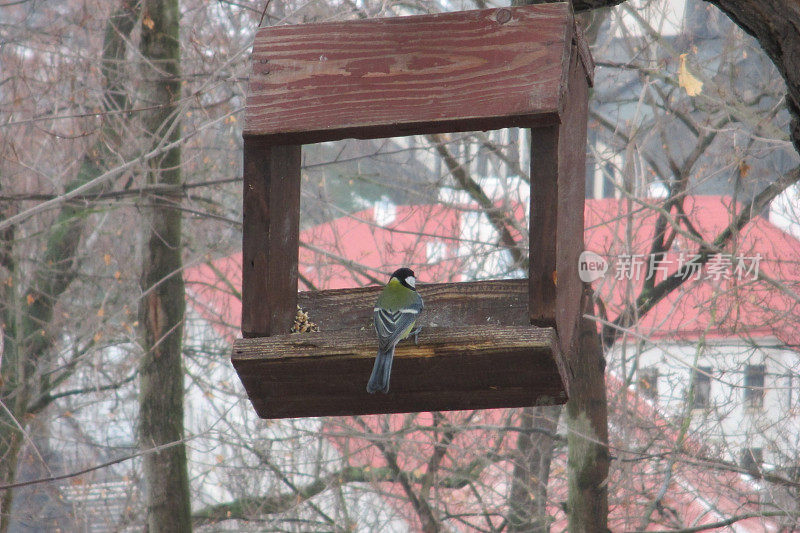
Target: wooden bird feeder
(483,344)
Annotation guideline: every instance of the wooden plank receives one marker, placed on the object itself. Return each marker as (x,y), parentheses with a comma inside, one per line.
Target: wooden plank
(500,302)
(472,367)
(467,70)
(585,54)
(558,181)
(571,198)
(543,231)
(270,234)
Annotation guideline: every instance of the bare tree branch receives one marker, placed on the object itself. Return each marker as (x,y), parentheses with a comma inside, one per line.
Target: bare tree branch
(722,523)
(647,300)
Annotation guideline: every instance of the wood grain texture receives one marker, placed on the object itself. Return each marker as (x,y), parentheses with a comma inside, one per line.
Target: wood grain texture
(467,70)
(543,232)
(475,303)
(585,54)
(467,367)
(270,237)
(571,198)
(558,182)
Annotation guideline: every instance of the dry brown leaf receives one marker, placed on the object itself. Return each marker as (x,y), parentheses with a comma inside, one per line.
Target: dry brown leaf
(744,168)
(692,85)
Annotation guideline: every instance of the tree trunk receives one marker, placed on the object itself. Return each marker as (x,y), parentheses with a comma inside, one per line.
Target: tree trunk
(27,336)
(161,309)
(528,502)
(588,457)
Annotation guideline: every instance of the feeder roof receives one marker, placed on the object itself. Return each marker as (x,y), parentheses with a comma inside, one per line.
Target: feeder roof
(459,71)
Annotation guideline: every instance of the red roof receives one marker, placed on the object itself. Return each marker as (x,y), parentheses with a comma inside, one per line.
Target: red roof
(214,287)
(717,305)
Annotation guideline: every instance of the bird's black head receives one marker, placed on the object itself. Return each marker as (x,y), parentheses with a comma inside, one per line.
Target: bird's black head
(406,277)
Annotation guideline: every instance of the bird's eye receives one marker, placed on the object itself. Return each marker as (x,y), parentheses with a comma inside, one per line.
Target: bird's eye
(411,281)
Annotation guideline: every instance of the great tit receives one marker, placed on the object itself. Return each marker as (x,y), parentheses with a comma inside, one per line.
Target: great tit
(395,314)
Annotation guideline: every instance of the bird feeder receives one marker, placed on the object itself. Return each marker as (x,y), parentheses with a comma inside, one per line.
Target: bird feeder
(483,344)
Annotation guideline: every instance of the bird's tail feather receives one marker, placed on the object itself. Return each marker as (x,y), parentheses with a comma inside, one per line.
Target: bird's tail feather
(379,379)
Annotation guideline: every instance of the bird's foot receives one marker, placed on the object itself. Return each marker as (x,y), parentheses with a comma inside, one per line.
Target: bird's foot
(416,334)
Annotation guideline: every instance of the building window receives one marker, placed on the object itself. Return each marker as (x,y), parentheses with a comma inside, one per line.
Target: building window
(701,383)
(648,382)
(754,386)
(752,459)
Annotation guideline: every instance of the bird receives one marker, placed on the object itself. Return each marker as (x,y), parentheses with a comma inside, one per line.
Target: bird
(395,315)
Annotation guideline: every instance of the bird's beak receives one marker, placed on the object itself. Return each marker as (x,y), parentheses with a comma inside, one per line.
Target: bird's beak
(412,282)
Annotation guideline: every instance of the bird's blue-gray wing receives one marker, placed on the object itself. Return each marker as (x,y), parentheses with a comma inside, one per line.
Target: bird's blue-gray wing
(392,324)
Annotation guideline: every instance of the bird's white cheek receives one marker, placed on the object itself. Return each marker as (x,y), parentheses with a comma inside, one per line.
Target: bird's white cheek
(411,281)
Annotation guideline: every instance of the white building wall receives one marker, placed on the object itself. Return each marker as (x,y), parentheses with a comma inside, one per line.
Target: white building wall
(729,423)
